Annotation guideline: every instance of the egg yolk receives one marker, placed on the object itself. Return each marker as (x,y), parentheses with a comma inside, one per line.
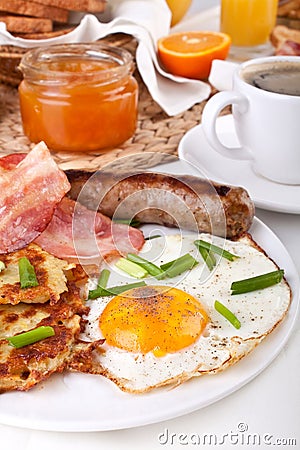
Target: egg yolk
(154,319)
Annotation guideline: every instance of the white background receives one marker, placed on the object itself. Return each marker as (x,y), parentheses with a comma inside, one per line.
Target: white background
(270,404)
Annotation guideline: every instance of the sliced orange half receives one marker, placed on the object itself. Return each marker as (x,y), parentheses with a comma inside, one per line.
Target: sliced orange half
(190,54)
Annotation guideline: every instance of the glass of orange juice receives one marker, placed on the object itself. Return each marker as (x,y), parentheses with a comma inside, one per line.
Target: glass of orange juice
(249,23)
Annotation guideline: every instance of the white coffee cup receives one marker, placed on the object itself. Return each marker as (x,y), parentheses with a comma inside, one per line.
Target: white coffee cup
(267,123)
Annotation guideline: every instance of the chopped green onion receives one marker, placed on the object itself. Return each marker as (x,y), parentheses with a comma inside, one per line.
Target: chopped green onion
(225,312)
(258,282)
(155,236)
(27,273)
(151,268)
(114,290)
(215,249)
(208,257)
(179,265)
(131,268)
(103,278)
(30,337)
(131,222)
(2,266)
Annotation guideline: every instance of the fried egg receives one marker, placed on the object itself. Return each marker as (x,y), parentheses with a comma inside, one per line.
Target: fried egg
(169,331)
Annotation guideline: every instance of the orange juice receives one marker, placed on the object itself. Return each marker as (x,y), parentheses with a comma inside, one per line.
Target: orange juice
(248,22)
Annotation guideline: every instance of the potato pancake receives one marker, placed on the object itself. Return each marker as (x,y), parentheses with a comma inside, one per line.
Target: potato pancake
(22,368)
(51,274)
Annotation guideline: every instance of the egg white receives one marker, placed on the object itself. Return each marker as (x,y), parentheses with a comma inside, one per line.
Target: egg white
(221,344)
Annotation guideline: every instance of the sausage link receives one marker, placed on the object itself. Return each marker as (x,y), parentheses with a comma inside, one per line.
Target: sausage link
(182,201)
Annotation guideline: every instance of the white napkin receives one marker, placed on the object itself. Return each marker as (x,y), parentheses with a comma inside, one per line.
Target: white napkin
(147,20)
(221,74)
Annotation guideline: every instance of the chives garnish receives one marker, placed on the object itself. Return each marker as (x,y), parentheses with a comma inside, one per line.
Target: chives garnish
(131,222)
(27,273)
(114,290)
(179,265)
(151,268)
(208,257)
(258,282)
(225,312)
(103,278)
(215,249)
(2,266)
(30,337)
(155,236)
(131,268)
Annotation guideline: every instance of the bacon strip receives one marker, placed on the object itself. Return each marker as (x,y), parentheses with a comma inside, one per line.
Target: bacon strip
(10,162)
(30,188)
(76,233)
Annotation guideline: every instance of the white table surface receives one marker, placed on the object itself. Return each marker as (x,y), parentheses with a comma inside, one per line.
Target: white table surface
(268,406)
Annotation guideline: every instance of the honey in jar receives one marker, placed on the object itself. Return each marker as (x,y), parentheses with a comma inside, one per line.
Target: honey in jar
(78,97)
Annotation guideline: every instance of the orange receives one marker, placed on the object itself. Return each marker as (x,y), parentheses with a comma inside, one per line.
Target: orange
(190,54)
(178,9)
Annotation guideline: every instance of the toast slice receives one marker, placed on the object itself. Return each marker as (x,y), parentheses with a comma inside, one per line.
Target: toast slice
(93,6)
(28,8)
(45,35)
(10,57)
(19,24)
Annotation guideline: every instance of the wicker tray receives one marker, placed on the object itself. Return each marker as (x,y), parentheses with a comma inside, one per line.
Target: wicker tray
(155,141)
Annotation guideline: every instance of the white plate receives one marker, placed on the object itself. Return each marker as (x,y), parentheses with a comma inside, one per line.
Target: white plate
(79,402)
(266,194)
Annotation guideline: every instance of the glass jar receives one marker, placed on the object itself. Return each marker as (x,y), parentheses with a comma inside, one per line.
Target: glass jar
(78,97)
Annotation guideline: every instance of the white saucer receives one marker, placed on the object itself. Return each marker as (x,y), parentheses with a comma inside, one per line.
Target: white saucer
(266,194)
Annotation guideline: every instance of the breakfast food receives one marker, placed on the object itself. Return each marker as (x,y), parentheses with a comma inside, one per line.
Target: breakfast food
(36,19)
(169,309)
(10,57)
(17,24)
(52,220)
(286,40)
(32,9)
(95,6)
(23,216)
(59,31)
(87,84)
(169,330)
(186,201)
(22,368)
(190,54)
(289,9)
(286,35)
(50,272)
(77,234)
(281,33)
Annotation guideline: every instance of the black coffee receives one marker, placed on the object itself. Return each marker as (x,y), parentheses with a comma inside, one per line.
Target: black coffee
(280,77)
